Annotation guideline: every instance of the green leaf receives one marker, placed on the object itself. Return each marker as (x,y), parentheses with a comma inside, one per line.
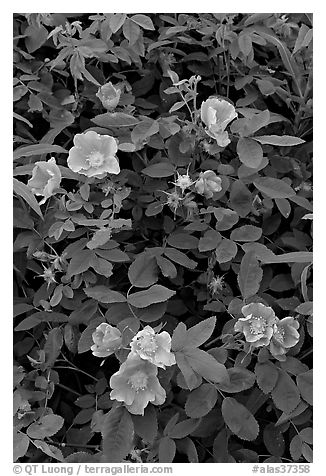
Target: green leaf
(245,44)
(144,129)
(225,251)
(143,271)
(189,375)
(144,21)
(240,198)
(115,119)
(304,382)
(279,140)
(295,257)
(199,333)
(117,434)
(250,153)
(80,262)
(201,401)
(167,267)
(246,233)
(274,440)
(25,192)
(48,425)
(206,366)
(274,188)
(49,450)
(180,258)
(36,36)
(250,275)
(160,169)
(146,425)
(184,428)
(38,149)
(239,419)
(240,379)
(209,241)
(154,294)
(267,375)
(182,240)
(166,450)
(104,294)
(20,446)
(131,31)
(38,317)
(116,20)
(285,395)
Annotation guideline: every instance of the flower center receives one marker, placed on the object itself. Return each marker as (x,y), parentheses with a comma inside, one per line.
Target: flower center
(148,344)
(257,325)
(279,334)
(95,159)
(138,381)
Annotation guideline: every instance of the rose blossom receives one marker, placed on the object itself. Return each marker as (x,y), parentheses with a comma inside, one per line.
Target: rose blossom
(156,348)
(216,114)
(109,95)
(94,155)
(136,384)
(208,183)
(285,335)
(257,325)
(107,340)
(46,178)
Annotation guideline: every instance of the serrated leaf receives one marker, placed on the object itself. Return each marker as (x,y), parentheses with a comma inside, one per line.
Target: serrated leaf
(274,188)
(117,434)
(250,275)
(154,294)
(226,250)
(166,450)
(180,258)
(116,20)
(184,428)
(143,271)
(282,141)
(182,240)
(295,257)
(146,425)
(49,450)
(296,447)
(38,149)
(304,382)
(20,445)
(24,191)
(246,233)
(285,395)
(158,170)
(115,119)
(41,316)
(104,294)
(144,21)
(274,440)
(189,375)
(240,379)
(250,153)
(209,241)
(206,366)
(201,401)
(267,375)
(80,262)
(48,425)
(167,267)
(199,333)
(239,420)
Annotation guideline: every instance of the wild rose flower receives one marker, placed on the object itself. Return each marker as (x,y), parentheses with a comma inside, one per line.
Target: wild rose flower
(94,155)
(217,114)
(285,335)
(109,95)
(136,384)
(156,348)
(208,183)
(46,178)
(107,340)
(257,325)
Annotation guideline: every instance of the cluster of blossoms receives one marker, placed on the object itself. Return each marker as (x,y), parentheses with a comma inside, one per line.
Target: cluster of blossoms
(136,383)
(262,328)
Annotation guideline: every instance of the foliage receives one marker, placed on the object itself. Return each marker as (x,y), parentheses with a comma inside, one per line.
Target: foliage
(163,237)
